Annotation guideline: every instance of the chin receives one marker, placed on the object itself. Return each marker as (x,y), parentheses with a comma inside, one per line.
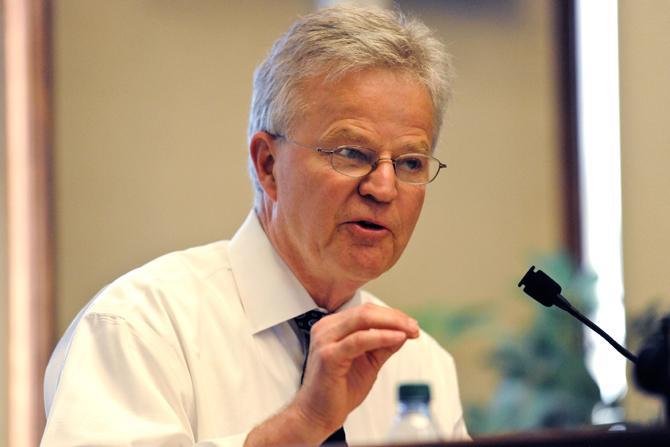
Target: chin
(367,268)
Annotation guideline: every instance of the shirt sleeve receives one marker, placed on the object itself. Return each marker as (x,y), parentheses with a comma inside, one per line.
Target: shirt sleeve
(123,385)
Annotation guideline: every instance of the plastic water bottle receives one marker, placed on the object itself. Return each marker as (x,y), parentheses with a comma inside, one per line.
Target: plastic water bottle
(413,422)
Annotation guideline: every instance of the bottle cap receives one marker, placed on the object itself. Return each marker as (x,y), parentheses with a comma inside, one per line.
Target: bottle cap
(414,392)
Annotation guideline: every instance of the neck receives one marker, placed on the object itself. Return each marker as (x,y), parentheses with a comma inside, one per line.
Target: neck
(330,299)
(327,292)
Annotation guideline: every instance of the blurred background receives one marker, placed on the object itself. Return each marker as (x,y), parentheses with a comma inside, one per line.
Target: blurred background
(148,102)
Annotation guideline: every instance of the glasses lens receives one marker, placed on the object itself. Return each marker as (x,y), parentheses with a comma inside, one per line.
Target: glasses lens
(416,168)
(353,161)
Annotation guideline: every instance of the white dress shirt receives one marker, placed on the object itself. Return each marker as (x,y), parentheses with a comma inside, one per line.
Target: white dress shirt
(196,347)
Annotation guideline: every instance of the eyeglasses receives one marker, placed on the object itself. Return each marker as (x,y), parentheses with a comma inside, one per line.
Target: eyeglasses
(356,162)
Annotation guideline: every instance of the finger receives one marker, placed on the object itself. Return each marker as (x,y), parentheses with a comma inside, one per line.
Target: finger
(368,316)
(379,356)
(362,342)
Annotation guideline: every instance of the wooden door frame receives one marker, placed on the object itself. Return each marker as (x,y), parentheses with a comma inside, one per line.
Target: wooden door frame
(30,236)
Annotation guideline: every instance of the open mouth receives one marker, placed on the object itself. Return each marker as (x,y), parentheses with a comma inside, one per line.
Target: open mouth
(368,225)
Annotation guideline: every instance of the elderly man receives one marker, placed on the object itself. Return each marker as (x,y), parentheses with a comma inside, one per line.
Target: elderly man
(212,345)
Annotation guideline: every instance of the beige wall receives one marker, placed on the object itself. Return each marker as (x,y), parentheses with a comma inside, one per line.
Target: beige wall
(151,105)
(645,143)
(151,99)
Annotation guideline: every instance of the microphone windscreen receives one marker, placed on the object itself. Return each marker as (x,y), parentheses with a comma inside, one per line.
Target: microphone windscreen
(652,371)
(540,286)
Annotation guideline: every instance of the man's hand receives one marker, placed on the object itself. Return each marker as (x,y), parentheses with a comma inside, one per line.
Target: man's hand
(347,349)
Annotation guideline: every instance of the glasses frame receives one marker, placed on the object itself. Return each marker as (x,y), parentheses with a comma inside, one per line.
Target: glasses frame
(373,166)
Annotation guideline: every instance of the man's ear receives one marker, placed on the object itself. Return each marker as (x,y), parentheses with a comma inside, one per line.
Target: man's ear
(262,152)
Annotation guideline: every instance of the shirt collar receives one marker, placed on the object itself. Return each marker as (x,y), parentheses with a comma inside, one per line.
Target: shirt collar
(269,291)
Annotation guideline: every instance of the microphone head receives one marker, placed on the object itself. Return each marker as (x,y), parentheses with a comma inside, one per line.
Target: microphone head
(539,286)
(652,371)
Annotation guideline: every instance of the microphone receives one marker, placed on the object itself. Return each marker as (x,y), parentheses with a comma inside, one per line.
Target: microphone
(539,286)
(652,367)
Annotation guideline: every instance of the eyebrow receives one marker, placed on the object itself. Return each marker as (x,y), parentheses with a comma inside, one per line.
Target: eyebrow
(421,149)
(350,137)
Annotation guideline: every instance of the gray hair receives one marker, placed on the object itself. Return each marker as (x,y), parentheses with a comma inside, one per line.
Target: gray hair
(337,41)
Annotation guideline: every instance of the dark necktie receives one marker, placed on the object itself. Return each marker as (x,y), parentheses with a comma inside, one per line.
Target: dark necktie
(304,323)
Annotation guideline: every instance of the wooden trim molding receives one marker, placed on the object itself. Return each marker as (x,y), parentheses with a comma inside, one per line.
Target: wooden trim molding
(572,220)
(27,64)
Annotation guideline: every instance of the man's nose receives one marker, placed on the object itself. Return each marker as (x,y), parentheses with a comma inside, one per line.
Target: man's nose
(380,184)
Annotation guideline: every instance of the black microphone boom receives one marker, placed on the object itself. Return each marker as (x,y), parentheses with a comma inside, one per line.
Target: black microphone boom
(539,286)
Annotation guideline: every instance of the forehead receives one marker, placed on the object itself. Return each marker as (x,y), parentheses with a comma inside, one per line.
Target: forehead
(366,106)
